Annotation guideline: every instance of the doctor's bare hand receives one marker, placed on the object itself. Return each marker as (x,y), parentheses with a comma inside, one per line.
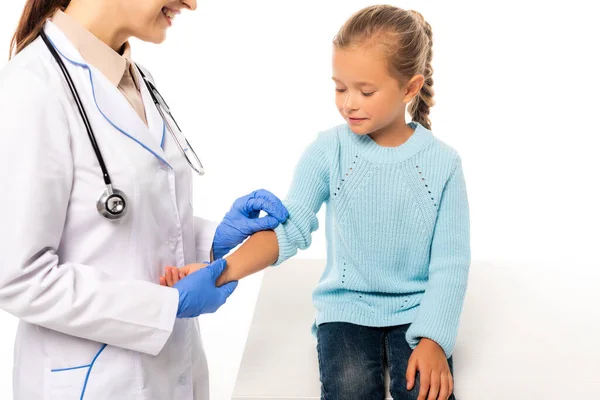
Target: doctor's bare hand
(198,293)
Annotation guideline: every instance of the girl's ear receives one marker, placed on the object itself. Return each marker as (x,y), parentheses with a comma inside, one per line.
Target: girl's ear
(413,87)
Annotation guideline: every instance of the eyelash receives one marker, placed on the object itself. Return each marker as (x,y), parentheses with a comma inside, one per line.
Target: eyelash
(364,94)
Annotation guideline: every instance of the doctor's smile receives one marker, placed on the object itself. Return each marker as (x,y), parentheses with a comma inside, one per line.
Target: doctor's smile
(170,13)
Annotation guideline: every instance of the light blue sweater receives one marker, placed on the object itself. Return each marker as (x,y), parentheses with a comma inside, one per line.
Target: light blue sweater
(397,228)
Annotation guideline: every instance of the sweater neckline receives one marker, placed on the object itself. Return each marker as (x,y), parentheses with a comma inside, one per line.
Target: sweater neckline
(370,150)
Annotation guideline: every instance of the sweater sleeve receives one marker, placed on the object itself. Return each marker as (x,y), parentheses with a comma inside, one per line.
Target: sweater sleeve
(441,306)
(308,191)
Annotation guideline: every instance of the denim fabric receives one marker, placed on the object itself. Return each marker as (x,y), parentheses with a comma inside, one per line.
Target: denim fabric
(352,361)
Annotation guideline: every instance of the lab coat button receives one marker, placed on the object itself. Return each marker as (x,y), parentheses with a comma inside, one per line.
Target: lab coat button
(173,242)
(182,380)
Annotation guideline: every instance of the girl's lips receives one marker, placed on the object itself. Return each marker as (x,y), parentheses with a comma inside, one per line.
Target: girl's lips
(356,120)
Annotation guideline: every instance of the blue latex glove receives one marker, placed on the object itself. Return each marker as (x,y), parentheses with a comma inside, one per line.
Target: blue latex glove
(198,293)
(242,220)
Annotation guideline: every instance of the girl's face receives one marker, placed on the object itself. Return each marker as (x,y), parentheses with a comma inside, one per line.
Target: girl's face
(148,20)
(367,96)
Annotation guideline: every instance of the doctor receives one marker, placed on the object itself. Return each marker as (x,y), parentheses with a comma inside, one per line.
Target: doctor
(97,184)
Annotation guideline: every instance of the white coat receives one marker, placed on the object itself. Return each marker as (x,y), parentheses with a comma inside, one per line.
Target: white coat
(94,322)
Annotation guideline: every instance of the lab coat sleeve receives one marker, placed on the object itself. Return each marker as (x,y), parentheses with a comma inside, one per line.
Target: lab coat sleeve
(308,191)
(35,285)
(441,306)
(205,233)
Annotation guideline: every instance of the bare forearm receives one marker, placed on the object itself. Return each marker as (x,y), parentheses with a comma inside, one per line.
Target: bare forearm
(257,253)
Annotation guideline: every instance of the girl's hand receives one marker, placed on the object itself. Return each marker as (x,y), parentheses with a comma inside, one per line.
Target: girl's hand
(434,372)
(174,275)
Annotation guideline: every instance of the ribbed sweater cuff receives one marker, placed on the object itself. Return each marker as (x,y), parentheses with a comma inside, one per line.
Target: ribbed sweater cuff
(290,237)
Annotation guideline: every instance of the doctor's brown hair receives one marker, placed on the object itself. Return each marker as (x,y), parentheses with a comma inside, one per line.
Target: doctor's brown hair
(32,21)
(405,38)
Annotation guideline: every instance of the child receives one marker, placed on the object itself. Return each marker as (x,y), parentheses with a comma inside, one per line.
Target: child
(397,222)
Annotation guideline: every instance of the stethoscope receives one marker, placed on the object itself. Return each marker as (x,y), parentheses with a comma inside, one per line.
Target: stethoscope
(112,204)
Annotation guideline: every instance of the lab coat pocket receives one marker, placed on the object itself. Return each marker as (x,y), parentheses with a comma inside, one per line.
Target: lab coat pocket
(65,384)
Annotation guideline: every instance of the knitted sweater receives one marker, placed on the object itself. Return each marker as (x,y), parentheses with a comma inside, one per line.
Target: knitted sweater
(397,229)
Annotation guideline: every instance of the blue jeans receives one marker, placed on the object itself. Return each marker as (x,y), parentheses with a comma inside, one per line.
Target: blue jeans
(352,359)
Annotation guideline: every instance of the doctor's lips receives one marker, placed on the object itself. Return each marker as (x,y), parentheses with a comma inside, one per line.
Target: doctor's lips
(169,14)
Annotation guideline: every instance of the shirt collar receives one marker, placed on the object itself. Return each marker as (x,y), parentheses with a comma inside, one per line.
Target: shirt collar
(93,50)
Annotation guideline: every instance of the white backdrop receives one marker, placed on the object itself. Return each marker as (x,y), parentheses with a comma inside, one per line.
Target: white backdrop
(517,95)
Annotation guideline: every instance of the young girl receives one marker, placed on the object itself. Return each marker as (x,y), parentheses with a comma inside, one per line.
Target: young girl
(397,221)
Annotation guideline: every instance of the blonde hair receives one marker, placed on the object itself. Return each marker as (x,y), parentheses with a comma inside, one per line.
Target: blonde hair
(407,40)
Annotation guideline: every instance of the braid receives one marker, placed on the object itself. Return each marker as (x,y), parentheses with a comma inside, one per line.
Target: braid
(419,107)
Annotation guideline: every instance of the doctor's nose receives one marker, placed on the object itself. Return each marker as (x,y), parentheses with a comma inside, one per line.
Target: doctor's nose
(190,3)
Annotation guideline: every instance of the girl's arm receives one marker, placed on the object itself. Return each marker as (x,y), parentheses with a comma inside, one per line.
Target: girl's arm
(439,313)
(257,253)
(308,191)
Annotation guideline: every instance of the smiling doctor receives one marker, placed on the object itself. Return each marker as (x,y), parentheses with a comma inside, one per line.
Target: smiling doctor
(97,179)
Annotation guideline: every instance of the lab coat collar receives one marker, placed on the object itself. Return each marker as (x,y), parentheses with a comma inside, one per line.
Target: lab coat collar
(111,103)
(97,53)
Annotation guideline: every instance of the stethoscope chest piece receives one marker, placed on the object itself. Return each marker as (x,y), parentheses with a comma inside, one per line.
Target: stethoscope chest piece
(112,204)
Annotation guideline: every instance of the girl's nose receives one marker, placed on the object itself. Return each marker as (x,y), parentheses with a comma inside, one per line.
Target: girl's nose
(350,103)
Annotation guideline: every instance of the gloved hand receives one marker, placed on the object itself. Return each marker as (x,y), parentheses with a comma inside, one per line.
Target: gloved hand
(198,293)
(242,220)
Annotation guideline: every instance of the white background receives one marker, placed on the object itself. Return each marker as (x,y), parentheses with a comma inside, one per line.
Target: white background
(516,88)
